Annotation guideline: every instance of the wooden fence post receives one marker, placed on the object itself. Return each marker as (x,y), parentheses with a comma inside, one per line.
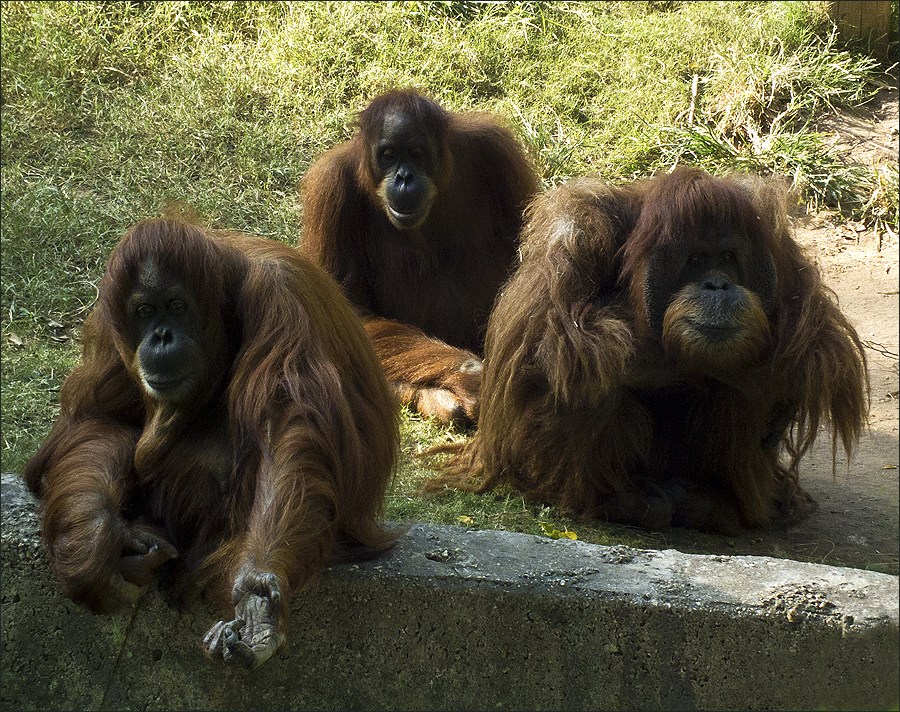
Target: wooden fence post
(869,20)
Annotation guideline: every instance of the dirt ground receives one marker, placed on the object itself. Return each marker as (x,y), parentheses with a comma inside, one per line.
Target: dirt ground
(857,521)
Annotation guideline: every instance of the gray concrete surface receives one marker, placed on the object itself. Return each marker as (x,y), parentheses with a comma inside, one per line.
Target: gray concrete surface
(460,620)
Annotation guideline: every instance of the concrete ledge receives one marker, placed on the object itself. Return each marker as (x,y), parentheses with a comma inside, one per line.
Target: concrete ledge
(459,620)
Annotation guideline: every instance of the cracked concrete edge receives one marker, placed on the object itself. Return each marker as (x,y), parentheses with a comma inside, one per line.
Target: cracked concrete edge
(456,619)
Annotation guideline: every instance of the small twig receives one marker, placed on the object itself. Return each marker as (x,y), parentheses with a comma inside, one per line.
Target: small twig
(878,348)
(695,83)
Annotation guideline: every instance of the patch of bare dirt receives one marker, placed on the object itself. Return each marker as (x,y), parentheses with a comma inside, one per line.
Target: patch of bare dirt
(858,507)
(857,522)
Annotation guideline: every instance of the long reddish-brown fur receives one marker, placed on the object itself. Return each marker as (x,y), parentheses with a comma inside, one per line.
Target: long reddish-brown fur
(425,293)
(284,457)
(584,406)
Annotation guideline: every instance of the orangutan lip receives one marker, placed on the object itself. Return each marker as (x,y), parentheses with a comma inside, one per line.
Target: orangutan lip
(713,332)
(406,218)
(403,216)
(161,385)
(165,385)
